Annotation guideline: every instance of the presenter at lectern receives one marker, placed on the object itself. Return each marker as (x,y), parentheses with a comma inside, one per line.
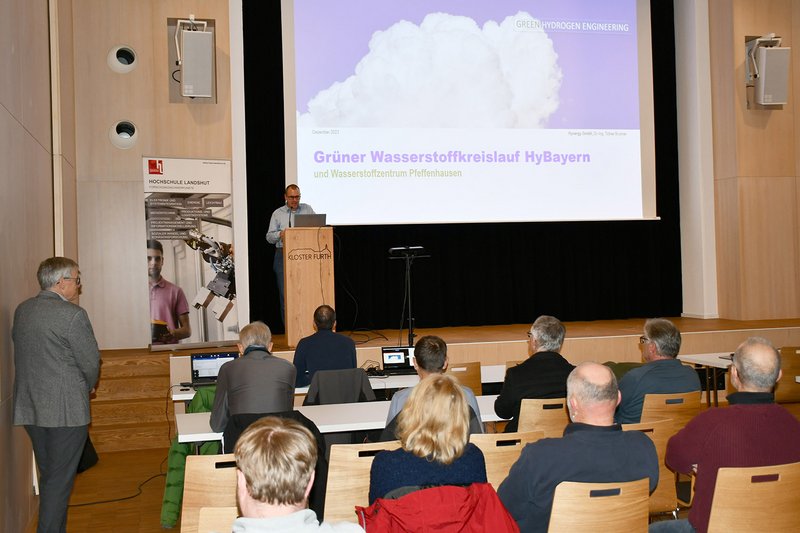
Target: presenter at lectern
(283,218)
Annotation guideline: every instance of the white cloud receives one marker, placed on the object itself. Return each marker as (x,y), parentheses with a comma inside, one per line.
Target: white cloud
(446,73)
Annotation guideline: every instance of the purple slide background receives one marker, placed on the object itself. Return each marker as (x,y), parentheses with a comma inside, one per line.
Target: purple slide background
(599,88)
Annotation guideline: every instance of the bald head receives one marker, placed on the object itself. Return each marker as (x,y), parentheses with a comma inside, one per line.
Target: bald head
(758,365)
(592,394)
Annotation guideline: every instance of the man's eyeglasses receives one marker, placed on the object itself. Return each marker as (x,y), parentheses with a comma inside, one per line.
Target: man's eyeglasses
(643,340)
(530,334)
(293,197)
(77,279)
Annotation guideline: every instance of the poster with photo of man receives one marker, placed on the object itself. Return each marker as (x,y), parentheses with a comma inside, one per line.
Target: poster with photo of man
(190,254)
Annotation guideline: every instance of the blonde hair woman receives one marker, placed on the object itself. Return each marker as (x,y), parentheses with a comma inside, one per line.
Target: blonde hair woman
(433,429)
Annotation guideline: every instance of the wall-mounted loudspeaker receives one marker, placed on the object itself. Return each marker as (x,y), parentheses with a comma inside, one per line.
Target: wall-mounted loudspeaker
(197,65)
(772,84)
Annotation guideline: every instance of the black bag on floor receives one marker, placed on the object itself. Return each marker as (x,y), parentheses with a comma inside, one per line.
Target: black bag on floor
(89,457)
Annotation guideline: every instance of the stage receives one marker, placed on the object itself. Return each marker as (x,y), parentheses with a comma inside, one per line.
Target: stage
(600,340)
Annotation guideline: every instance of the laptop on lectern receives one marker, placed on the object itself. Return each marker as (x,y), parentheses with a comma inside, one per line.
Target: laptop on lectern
(398,360)
(316,220)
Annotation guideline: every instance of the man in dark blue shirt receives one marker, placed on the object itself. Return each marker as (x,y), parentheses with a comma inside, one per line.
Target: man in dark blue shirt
(662,372)
(324,350)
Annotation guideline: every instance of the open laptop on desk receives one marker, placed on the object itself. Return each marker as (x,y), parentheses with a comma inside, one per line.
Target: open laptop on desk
(316,220)
(398,360)
(205,366)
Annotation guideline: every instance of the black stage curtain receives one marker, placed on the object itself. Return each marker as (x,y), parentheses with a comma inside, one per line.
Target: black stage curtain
(478,274)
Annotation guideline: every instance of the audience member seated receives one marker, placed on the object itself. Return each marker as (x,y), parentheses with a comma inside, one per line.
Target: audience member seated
(324,350)
(543,375)
(433,429)
(237,424)
(753,431)
(593,450)
(275,460)
(662,372)
(256,382)
(430,357)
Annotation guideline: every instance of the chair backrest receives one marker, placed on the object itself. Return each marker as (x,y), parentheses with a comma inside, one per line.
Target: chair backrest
(209,481)
(550,416)
(756,499)
(600,507)
(665,498)
(468,374)
(216,519)
(348,478)
(787,390)
(349,385)
(501,450)
(680,407)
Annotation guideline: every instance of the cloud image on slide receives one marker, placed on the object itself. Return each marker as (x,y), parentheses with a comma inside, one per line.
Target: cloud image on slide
(447,73)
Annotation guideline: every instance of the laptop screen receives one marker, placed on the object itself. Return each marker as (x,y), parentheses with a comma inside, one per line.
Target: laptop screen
(398,359)
(205,366)
(316,220)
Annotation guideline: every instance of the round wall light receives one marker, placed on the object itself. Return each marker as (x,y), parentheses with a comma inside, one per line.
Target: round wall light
(123,134)
(121,59)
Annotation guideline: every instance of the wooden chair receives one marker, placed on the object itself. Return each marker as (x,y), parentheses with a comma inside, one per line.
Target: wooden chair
(600,507)
(209,481)
(501,450)
(348,478)
(468,374)
(680,407)
(216,519)
(787,390)
(665,498)
(549,416)
(756,499)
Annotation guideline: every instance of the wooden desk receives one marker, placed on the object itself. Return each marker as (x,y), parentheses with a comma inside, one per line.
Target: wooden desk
(714,362)
(363,416)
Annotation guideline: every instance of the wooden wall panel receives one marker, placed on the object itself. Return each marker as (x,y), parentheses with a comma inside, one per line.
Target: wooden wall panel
(113,262)
(104,97)
(769,247)
(756,197)
(35,75)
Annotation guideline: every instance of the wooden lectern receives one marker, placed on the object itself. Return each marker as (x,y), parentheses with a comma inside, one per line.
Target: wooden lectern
(308,278)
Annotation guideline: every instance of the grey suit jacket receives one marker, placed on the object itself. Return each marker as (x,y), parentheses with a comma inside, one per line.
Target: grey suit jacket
(257,382)
(57,362)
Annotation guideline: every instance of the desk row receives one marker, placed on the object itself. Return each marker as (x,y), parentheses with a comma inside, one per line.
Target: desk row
(332,418)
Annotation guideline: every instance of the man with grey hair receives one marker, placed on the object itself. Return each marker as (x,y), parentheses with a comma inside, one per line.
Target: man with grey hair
(256,382)
(56,366)
(752,431)
(662,372)
(593,450)
(542,375)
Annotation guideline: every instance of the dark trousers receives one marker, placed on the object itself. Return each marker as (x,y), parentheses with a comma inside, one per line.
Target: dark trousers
(277,266)
(57,451)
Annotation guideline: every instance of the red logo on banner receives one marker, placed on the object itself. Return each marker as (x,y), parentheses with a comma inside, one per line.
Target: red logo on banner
(155,166)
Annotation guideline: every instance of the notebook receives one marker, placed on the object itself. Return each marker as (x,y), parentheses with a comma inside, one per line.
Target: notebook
(205,366)
(398,360)
(309,221)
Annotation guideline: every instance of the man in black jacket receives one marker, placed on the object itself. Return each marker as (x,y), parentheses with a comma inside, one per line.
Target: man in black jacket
(543,375)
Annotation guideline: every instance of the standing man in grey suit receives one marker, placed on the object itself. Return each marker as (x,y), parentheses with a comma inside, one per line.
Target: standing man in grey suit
(56,368)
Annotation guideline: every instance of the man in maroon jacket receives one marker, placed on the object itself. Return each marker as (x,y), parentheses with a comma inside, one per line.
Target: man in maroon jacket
(753,431)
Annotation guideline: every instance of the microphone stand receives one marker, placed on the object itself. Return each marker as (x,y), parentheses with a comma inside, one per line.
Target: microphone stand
(408,254)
